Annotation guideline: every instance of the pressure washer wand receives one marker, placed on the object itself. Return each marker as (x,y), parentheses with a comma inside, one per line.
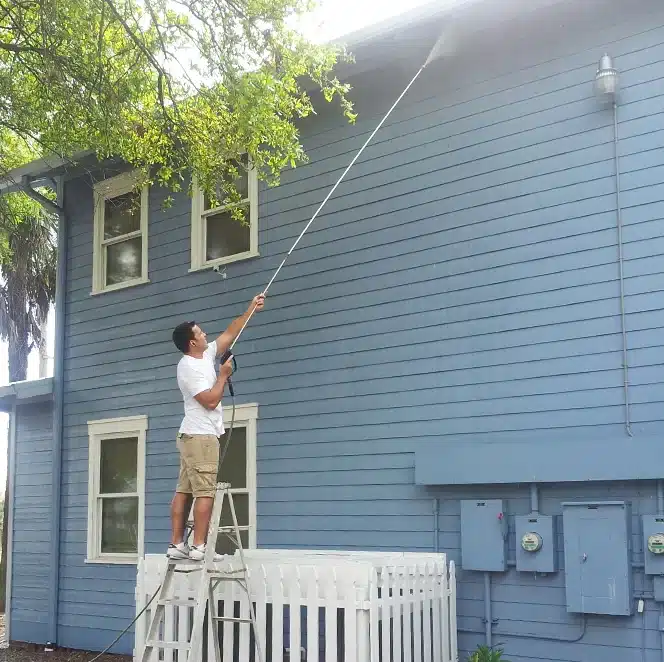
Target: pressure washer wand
(435,52)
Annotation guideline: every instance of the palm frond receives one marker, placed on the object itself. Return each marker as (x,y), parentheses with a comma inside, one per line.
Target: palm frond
(27,281)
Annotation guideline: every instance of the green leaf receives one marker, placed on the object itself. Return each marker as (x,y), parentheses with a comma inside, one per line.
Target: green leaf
(171,87)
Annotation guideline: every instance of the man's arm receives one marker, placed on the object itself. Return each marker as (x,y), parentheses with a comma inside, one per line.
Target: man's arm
(224,341)
(210,398)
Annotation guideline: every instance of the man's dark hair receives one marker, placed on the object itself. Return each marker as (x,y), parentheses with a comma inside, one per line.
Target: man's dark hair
(183,334)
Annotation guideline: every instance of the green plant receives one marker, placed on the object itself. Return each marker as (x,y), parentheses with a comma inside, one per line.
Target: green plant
(486,654)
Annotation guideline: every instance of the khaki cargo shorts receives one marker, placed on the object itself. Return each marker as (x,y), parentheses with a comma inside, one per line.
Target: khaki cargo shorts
(199,459)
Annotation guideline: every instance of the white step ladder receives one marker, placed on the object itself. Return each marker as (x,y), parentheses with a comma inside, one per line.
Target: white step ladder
(208,580)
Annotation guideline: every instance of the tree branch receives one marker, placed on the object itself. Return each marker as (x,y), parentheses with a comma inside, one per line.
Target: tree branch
(13,48)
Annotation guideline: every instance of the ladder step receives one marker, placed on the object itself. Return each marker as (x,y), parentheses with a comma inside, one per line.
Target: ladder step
(233,620)
(221,575)
(177,602)
(168,644)
(230,527)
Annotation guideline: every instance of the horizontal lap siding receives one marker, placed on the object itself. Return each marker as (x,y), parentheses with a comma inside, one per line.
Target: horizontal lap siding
(32,523)
(462,281)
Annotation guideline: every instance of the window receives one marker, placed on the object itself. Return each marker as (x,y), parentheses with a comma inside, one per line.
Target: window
(116,489)
(216,238)
(120,254)
(239,469)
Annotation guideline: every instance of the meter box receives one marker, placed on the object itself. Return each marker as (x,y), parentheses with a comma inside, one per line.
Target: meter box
(653,544)
(536,543)
(484,535)
(597,539)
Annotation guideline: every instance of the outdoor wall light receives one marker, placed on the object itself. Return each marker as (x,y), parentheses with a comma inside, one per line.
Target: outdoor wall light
(606,79)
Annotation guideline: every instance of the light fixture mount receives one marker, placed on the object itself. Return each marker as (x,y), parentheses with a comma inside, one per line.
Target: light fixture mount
(606,79)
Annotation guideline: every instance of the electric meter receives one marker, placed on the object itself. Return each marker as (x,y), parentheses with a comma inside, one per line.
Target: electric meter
(531,541)
(656,543)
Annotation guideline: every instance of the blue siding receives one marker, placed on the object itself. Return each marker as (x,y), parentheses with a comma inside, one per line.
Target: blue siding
(28,619)
(461,285)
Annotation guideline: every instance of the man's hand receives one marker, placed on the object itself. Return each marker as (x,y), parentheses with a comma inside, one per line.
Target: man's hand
(225,340)
(257,302)
(211,397)
(226,369)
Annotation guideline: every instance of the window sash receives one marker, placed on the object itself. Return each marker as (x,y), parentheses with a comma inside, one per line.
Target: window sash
(199,215)
(101,498)
(107,190)
(133,427)
(117,495)
(121,237)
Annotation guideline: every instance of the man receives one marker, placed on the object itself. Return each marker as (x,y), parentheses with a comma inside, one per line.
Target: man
(201,428)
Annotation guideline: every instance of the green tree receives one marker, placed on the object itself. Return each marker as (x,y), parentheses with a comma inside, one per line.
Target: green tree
(27,290)
(169,86)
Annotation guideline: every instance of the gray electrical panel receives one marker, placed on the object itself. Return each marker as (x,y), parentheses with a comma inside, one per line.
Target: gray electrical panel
(597,538)
(536,543)
(653,544)
(484,535)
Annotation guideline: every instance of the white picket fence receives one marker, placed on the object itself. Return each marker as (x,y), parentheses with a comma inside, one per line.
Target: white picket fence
(331,606)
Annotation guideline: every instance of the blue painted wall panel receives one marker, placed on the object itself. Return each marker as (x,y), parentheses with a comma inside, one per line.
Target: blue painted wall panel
(28,616)
(462,285)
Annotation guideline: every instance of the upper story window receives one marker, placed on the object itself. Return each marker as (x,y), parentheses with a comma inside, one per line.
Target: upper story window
(217,238)
(120,253)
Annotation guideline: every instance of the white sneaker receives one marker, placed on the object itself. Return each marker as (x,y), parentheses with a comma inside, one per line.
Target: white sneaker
(197,553)
(178,552)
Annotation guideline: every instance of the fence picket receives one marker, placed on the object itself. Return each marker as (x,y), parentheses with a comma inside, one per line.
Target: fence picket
(385,613)
(451,624)
(417,617)
(226,592)
(278,589)
(261,591)
(374,615)
(426,575)
(294,600)
(350,619)
(407,616)
(332,602)
(312,603)
(397,610)
(440,618)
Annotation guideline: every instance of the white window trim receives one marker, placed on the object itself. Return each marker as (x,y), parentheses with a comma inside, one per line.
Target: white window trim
(198,226)
(110,188)
(126,426)
(246,415)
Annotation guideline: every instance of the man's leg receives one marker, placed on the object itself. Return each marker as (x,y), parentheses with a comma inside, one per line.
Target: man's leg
(180,506)
(202,513)
(181,503)
(203,476)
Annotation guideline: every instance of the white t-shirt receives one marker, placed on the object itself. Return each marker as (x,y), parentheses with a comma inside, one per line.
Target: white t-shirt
(196,375)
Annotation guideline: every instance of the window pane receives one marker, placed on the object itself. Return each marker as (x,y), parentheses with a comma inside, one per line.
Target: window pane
(122,215)
(119,525)
(124,261)
(226,236)
(241,502)
(118,466)
(227,546)
(233,469)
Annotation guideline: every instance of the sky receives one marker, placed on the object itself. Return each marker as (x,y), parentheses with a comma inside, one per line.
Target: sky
(332,19)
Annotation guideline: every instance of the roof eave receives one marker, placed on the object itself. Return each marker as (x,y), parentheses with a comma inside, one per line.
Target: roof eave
(25,392)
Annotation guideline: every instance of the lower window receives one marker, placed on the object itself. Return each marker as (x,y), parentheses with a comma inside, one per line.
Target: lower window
(116,489)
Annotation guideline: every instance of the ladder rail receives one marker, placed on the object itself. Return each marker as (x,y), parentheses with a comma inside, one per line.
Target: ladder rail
(204,599)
